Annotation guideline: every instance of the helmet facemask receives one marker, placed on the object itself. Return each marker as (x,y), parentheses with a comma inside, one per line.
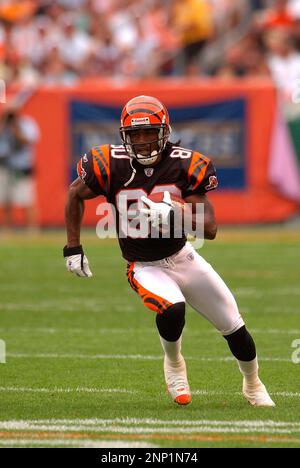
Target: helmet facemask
(152,148)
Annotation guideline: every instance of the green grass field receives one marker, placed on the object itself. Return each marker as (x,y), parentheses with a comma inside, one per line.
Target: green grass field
(84,363)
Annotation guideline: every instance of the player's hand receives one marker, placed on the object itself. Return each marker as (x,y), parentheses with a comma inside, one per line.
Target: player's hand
(77,262)
(158,213)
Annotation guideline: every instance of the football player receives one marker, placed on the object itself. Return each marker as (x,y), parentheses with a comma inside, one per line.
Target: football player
(166,272)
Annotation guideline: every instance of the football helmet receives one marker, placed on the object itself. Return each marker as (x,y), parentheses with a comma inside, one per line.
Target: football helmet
(145,112)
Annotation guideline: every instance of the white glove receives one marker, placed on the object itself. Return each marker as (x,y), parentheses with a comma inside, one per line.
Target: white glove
(77,263)
(158,213)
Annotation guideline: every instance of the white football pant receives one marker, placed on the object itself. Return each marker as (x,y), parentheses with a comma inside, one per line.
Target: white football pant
(186,277)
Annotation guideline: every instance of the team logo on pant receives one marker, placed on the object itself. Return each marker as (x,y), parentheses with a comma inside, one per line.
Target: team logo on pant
(190,257)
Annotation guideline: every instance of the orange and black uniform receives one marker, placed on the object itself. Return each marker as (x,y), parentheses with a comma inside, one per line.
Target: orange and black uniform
(107,168)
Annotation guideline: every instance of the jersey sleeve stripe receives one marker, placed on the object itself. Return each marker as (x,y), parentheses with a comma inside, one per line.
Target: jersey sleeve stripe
(101,167)
(196,160)
(97,151)
(201,175)
(197,169)
(100,171)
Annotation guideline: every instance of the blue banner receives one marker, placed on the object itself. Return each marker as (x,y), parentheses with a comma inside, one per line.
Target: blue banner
(216,130)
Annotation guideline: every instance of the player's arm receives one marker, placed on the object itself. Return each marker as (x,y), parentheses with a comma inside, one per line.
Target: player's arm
(76,261)
(210,225)
(78,193)
(93,180)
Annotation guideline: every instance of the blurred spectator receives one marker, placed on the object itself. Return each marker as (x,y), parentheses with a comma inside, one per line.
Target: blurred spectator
(283,59)
(54,11)
(102,7)
(42,43)
(105,57)
(228,14)
(13,10)
(245,59)
(147,55)
(193,22)
(56,72)
(74,46)
(71,4)
(156,27)
(18,136)
(258,4)
(122,24)
(294,8)
(278,16)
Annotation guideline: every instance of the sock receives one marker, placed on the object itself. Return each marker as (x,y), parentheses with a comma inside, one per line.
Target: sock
(250,371)
(172,351)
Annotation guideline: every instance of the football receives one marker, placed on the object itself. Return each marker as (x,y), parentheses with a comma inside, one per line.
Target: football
(179,205)
(177,201)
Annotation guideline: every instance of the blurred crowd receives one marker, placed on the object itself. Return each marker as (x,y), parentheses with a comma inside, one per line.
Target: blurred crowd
(62,41)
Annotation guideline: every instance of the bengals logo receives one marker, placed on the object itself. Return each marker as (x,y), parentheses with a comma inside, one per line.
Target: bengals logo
(213,183)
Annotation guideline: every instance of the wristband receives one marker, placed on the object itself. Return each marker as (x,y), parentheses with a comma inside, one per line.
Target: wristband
(69,251)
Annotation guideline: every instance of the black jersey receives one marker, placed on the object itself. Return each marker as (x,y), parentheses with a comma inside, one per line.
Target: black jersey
(108,170)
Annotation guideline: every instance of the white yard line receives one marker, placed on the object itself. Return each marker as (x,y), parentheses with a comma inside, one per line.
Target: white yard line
(244,427)
(84,443)
(75,331)
(216,393)
(83,356)
(125,391)
(121,331)
(64,390)
(276,331)
(257,292)
(137,426)
(129,357)
(155,422)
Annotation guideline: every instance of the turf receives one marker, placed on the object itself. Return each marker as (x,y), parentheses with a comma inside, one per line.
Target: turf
(84,362)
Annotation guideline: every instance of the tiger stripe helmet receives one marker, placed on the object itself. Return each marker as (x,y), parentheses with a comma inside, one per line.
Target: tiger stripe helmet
(145,112)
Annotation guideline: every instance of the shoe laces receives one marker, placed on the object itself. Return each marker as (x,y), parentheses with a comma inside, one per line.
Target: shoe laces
(178,383)
(257,387)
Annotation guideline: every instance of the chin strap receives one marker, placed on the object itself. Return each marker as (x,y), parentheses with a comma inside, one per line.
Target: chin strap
(132,175)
